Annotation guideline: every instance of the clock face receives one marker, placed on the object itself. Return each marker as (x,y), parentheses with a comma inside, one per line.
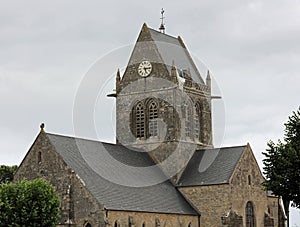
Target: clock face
(145,68)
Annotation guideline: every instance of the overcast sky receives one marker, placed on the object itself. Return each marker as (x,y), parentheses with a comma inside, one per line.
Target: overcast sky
(252,49)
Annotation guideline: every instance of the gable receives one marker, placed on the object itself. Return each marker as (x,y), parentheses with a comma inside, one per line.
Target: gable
(211,166)
(247,169)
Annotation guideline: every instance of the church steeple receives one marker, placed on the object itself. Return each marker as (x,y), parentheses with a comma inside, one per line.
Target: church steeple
(162,102)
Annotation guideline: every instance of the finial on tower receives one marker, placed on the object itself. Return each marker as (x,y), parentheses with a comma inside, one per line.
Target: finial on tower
(162,25)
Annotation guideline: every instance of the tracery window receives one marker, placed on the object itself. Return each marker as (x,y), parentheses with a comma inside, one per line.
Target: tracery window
(144,119)
(250,218)
(197,121)
(153,114)
(188,121)
(139,120)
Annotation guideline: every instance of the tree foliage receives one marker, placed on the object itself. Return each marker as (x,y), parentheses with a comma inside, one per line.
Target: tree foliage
(28,203)
(282,164)
(7,173)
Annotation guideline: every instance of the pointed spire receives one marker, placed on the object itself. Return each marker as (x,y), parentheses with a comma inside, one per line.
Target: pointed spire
(208,80)
(145,25)
(174,72)
(118,80)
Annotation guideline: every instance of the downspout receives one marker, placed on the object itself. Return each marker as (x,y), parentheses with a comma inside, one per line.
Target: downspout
(199,216)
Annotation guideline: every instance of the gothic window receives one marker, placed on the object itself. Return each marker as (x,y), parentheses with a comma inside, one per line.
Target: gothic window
(153,114)
(250,218)
(139,120)
(87,225)
(188,121)
(197,121)
(116,224)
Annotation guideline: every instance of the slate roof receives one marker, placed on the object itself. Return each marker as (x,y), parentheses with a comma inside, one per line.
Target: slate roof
(211,166)
(85,156)
(172,49)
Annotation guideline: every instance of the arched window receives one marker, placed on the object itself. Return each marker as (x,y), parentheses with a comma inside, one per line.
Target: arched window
(139,120)
(197,121)
(250,218)
(190,224)
(188,121)
(87,225)
(144,225)
(153,114)
(116,224)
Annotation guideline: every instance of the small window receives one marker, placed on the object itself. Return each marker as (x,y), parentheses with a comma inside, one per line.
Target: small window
(144,225)
(249,179)
(88,225)
(116,224)
(39,157)
(190,224)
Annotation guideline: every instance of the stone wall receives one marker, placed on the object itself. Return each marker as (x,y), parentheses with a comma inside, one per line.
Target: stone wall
(77,205)
(137,219)
(212,201)
(215,201)
(246,185)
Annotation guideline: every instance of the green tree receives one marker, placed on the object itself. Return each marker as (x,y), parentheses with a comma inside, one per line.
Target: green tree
(282,164)
(7,173)
(29,203)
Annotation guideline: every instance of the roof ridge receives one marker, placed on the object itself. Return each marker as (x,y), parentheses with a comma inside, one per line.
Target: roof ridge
(227,147)
(80,138)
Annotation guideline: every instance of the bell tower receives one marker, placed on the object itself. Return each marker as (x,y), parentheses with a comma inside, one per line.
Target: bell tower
(163,106)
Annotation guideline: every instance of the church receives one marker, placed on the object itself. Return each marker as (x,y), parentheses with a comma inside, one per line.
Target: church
(163,169)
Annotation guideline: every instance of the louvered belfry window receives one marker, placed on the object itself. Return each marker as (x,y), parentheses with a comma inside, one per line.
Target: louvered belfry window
(140,120)
(153,114)
(188,121)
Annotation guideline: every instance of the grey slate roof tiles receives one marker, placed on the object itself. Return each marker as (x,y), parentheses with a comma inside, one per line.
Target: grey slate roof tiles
(171,50)
(211,166)
(206,167)
(162,197)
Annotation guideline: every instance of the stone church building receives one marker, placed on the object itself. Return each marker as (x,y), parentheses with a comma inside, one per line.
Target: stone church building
(163,170)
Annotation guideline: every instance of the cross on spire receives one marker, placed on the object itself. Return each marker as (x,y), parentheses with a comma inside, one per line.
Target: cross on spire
(162,25)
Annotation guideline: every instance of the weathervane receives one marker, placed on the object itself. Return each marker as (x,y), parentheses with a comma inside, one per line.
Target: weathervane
(162,25)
